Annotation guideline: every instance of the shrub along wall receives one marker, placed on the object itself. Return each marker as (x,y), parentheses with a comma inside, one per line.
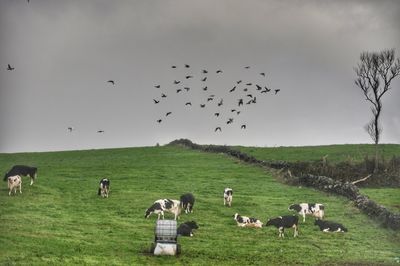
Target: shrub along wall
(327,184)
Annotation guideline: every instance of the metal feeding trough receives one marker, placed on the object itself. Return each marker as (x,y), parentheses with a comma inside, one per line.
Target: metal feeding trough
(166,238)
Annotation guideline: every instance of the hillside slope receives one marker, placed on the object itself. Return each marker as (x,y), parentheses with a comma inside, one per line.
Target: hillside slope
(61,220)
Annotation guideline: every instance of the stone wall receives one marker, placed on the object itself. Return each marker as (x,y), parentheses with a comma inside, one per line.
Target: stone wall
(323,183)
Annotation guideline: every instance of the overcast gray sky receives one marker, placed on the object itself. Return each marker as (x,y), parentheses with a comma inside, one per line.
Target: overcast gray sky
(64,52)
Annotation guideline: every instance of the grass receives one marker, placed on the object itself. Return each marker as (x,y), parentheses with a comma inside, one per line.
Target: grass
(60,220)
(336,153)
(388,197)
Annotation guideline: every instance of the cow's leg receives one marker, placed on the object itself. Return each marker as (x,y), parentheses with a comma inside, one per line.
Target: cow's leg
(304,216)
(296,230)
(224,202)
(31,180)
(281,232)
(20,185)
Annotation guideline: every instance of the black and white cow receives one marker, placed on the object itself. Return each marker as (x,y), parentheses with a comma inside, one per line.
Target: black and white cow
(244,221)
(22,170)
(14,182)
(164,205)
(315,209)
(283,222)
(228,194)
(187,202)
(104,187)
(328,226)
(186,229)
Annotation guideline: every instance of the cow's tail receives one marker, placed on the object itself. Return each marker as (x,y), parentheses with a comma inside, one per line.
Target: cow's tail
(99,192)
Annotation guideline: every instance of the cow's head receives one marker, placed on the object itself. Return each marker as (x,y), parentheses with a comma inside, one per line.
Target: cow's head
(148,213)
(294,207)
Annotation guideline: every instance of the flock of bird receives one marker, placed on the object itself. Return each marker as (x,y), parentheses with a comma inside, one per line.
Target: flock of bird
(244,92)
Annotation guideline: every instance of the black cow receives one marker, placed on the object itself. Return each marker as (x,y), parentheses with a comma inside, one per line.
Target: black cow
(187,202)
(327,226)
(186,229)
(283,222)
(22,170)
(104,187)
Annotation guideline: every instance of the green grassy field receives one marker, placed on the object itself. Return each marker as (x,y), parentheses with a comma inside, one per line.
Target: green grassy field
(61,220)
(336,153)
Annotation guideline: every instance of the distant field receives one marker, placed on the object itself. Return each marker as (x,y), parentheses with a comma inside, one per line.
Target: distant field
(61,220)
(388,197)
(336,153)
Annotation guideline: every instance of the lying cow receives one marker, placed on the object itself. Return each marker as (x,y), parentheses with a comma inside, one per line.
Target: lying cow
(104,187)
(22,170)
(228,194)
(164,205)
(314,209)
(14,182)
(186,229)
(327,226)
(244,221)
(187,202)
(283,222)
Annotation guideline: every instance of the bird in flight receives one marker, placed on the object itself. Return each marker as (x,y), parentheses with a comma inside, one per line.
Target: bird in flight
(178,90)
(163,95)
(233,89)
(247,67)
(218,71)
(262,74)
(258,87)
(221,102)
(187,88)
(188,103)
(243,127)
(218,129)
(187,66)
(177,81)
(216,114)
(205,88)
(10,68)
(157,86)
(189,77)
(277,90)
(173,66)
(70,129)
(155,101)
(230,121)
(240,102)
(159,121)
(204,79)
(167,114)
(239,81)
(202,105)
(205,71)
(111,81)
(100,131)
(248,84)
(210,99)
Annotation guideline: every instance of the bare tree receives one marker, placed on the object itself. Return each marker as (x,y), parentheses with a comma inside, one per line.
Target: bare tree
(375,72)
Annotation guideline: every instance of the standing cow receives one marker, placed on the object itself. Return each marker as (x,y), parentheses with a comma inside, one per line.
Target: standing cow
(187,202)
(286,221)
(14,182)
(104,187)
(164,205)
(228,196)
(22,170)
(315,209)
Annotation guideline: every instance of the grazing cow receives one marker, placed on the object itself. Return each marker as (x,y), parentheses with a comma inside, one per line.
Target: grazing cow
(167,205)
(314,209)
(283,222)
(22,170)
(244,221)
(187,202)
(186,229)
(14,182)
(104,187)
(228,194)
(327,226)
